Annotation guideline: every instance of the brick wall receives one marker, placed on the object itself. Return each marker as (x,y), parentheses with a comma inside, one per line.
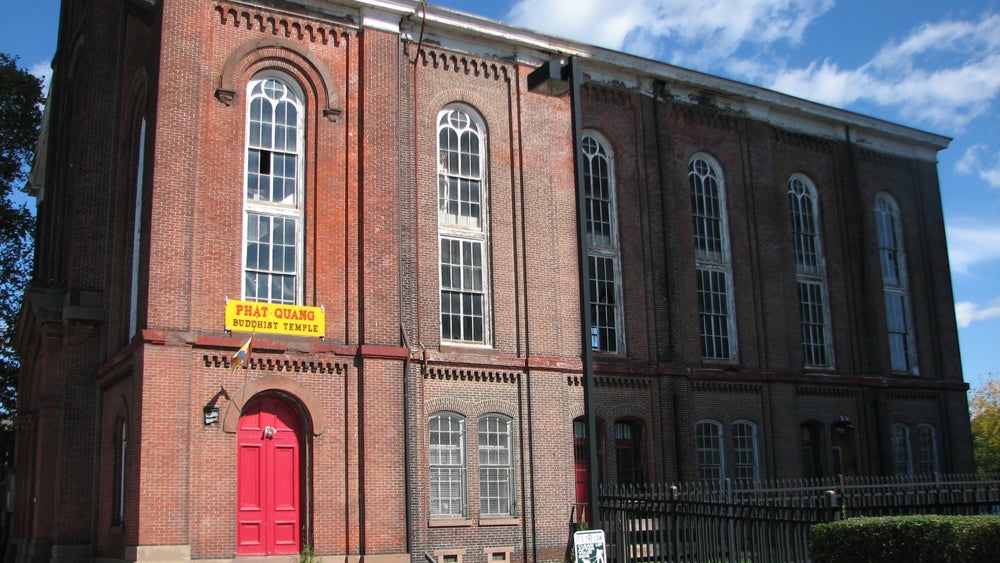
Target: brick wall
(371,251)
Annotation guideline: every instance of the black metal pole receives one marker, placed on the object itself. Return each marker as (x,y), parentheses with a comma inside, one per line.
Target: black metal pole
(575,77)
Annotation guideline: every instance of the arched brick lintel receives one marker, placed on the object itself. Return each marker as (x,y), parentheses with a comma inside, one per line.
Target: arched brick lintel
(244,55)
(286,385)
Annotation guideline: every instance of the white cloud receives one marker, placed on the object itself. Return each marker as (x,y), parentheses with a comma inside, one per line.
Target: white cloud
(979,162)
(967,312)
(970,245)
(42,70)
(944,75)
(703,32)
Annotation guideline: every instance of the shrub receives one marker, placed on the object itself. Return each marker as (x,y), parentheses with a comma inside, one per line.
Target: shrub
(913,539)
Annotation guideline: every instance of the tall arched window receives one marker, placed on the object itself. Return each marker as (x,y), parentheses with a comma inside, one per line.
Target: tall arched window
(118,492)
(628,452)
(810,270)
(272,270)
(712,260)
(447,465)
(711,461)
(812,453)
(746,458)
(496,466)
(133,313)
(895,286)
(462,226)
(902,455)
(602,247)
(927,451)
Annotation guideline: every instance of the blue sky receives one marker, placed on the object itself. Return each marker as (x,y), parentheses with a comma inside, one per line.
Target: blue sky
(928,64)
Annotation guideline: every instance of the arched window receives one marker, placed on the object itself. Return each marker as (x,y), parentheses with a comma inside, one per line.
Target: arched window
(628,452)
(711,459)
(602,247)
(462,226)
(272,270)
(496,466)
(133,317)
(810,270)
(812,450)
(894,285)
(902,457)
(118,492)
(746,458)
(447,465)
(927,451)
(712,260)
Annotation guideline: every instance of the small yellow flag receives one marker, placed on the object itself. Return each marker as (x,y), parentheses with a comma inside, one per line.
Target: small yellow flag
(242,356)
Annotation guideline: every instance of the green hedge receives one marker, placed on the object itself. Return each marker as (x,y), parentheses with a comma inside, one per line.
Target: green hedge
(909,539)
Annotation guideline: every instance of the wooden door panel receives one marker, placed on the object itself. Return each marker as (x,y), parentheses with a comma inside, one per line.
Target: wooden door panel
(268,479)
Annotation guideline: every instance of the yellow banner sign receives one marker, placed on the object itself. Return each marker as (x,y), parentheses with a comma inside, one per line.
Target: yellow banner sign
(250,316)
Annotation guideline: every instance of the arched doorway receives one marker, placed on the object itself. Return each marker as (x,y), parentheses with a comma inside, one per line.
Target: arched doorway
(269,441)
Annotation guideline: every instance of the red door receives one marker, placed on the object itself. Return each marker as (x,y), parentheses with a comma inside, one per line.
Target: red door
(267,479)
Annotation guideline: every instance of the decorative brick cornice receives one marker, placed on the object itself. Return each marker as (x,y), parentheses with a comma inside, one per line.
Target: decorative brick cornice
(610,382)
(466,374)
(882,159)
(281,25)
(802,141)
(912,394)
(607,95)
(277,364)
(826,390)
(465,64)
(727,387)
(708,117)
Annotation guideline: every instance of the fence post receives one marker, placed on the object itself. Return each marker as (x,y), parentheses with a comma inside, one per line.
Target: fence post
(833,503)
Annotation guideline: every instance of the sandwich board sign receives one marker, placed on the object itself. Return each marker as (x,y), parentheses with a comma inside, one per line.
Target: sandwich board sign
(589,546)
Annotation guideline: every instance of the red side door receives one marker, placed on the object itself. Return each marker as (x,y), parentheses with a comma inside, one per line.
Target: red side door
(267,479)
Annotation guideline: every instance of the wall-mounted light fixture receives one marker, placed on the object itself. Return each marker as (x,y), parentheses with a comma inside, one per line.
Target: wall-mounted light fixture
(211,414)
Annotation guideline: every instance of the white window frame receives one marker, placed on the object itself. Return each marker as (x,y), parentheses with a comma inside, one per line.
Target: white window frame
(710,223)
(133,313)
(928,462)
(711,450)
(746,451)
(469,230)
(810,271)
(283,210)
(121,466)
(447,479)
(902,450)
(599,167)
(895,286)
(496,465)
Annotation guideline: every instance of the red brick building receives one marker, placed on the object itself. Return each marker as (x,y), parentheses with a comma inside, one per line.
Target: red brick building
(769,290)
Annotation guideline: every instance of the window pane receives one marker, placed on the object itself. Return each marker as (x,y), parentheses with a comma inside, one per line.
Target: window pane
(271,270)
(815,327)
(628,453)
(708,435)
(459,171)
(605,309)
(713,307)
(927,456)
(745,451)
(447,465)
(495,466)
(461,212)
(706,207)
(901,450)
(462,291)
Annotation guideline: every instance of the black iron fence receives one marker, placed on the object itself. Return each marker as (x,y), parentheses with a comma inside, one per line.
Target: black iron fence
(741,522)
